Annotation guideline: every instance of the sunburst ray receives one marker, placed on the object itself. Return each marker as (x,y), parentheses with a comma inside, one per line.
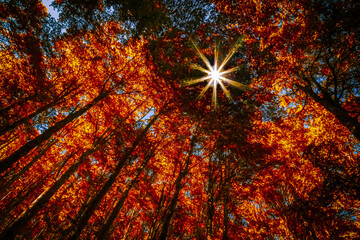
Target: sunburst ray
(230,70)
(205,89)
(191,82)
(215,76)
(202,56)
(235,84)
(229,55)
(197,67)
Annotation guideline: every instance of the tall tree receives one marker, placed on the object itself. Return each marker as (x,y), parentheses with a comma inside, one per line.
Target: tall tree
(311,46)
(100,137)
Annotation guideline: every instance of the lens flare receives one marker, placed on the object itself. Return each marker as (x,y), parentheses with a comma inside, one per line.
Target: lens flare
(216,75)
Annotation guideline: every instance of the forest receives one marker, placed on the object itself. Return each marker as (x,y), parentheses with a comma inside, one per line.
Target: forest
(180,119)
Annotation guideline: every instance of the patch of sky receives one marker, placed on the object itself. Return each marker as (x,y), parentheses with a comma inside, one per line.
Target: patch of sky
(198,150)
(248,181)
(271,111)
(150,173)
(136,160)
(146,118)
(119,91)
(276,237)
(41,127)
(273,216)
(356,147)
(131,26)
(276,166)
(201,12)
(244,222)
(110,10)
(286,198)
(3,39)
(52,11)
(308,119)
(93,160)
(349,214)
(146,229)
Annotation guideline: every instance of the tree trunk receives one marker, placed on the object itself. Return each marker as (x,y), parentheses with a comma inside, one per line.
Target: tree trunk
(226,214)
(95,201)
(14,228)
(172,206)
(25,149)
(27,167)
(210,203)
(154,226)
(225,195)
(20,198)
(33,186)
(174,200)
(351,123)
(103,232)
(23,120)
(59,100)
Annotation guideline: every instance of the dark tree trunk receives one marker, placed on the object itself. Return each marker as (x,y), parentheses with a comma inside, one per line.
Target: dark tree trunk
(104,229)
(60,99)
(351,123)
(175,198)
(226,214)
(95,201)
(155,226)
(25,149)
(14,228)
(27,167)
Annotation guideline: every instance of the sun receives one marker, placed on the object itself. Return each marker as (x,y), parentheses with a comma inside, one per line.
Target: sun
(216,76)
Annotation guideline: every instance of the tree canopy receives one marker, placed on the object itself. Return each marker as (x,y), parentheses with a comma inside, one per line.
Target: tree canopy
(180,119)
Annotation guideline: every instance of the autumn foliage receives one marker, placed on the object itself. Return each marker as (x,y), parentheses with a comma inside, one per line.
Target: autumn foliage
(101,139)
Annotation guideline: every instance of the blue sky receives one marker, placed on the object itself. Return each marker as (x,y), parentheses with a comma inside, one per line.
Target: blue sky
(51,10)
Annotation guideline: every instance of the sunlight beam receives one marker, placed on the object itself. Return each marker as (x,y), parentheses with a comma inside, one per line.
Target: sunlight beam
(191,82)
(229,55)
(216,57)
(227,92)
(235,84)
(195,66)
(214,96)
(205,89)
(202,56)
(215,76)
(230,70)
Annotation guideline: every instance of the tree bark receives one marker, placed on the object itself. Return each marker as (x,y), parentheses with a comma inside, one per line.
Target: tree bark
(226,214)
(59,100)
(175,198)
(25,149)
(27,167)
(103,232)
(23,120)
(14,228)
(351,123)
(95,201)
(154,226)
